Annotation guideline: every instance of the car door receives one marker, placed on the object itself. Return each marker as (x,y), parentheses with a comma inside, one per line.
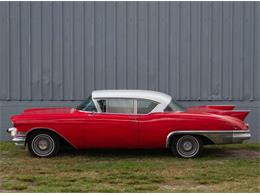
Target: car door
(150,124)
(115,126)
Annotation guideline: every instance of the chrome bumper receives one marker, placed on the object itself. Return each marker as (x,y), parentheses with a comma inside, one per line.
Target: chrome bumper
(18,140)
(230,137)
(217,137)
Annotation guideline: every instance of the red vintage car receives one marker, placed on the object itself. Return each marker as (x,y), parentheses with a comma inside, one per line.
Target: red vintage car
(129,119)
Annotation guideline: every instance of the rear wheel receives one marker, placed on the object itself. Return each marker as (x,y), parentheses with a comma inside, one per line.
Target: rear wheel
(187,146)
(43,144)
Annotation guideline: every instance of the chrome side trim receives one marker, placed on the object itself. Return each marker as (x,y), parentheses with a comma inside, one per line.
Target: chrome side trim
(217,137)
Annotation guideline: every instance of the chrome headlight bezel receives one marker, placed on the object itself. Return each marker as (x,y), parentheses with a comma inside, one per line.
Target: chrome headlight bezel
(12,131)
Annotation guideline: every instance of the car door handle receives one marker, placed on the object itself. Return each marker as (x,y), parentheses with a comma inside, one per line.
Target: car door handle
(91,114)
(133,118)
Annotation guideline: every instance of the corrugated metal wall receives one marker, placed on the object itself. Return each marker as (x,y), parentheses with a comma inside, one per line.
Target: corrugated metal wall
(191,50)
(56,51)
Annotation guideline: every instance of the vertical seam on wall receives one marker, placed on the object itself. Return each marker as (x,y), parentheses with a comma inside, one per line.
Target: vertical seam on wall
(157,86)
(9,54)
(115,46)
(210,51)
(83,52)
(41,68)
(94,44)
(189,56)
(231,64)
(221,53)
(242,55)
(126,56)
(137,48)
(253,54)
(200,46)
(52,56)
(20,54)
(30,52)
(169,47)
(179,54)
(105,45)
(148,44)
(72,52)
(62,48)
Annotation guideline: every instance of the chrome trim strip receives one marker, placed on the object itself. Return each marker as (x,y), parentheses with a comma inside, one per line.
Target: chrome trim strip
(217,137)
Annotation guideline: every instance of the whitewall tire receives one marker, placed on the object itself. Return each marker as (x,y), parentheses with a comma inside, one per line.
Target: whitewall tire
(187,146)
(43,144)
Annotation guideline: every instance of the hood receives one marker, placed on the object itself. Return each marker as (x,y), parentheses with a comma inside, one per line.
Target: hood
(33,111)
(30,115)
(220,110)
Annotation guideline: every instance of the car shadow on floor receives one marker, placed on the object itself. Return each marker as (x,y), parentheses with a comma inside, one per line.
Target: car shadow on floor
(118,153)
(155,153)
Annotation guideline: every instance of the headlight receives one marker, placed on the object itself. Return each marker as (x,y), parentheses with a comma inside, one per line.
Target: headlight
(13,131)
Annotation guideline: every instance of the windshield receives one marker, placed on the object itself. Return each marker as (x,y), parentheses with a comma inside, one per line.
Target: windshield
(174,106)
(87,105)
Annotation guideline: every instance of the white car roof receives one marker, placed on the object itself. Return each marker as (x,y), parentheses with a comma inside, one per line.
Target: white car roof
(159,97)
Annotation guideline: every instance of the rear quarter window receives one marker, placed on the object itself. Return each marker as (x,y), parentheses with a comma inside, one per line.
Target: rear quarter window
(145,106)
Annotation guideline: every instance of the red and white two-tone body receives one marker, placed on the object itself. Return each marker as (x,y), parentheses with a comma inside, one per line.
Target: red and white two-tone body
(129,119)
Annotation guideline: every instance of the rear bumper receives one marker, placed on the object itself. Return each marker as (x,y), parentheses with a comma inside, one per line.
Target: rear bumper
(217,137)
(231,137)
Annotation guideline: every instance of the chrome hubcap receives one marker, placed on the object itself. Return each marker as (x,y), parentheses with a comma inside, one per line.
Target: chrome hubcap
(43,145)
(187,146)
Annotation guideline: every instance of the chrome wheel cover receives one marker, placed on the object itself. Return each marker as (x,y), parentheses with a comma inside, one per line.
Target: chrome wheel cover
(187,146)
(43,145)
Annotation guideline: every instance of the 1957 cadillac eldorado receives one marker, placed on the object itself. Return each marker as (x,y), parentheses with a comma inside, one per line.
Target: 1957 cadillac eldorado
(129,119)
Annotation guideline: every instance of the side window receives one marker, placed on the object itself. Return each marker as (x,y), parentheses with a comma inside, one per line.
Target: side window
(120,106)
(102,105)
(145,106)
(174,106)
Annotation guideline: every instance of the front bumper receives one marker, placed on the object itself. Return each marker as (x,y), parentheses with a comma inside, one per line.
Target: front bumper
(18,140)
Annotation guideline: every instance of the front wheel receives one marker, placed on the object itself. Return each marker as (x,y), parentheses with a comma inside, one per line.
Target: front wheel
(43,144)
(187,146)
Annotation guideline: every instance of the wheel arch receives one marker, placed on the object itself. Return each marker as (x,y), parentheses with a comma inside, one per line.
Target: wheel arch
(62,138)
(206,140)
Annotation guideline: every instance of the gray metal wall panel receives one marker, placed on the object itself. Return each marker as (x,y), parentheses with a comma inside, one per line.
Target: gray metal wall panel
(256,57)
(192,50)
(4,51)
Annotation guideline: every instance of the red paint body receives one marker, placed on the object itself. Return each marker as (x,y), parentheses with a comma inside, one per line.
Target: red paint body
(104,130)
